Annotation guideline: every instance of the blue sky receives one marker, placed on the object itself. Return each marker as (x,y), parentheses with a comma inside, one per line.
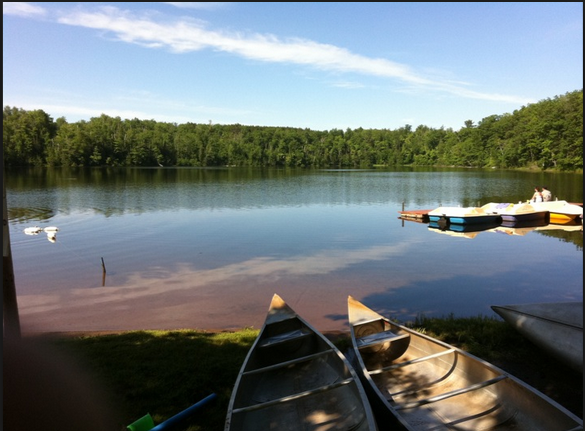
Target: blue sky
(317,65)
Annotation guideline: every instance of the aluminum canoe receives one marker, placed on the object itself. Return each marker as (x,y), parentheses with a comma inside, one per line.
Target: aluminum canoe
(422,383)
(294,378)
(556,327)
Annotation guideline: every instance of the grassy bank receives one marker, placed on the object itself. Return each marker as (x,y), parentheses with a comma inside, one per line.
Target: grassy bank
(165,372)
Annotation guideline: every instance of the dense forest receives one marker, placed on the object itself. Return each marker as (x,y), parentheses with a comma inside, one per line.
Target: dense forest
(545,135)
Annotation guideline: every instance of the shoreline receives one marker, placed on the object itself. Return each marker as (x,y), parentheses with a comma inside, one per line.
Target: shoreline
(333,335)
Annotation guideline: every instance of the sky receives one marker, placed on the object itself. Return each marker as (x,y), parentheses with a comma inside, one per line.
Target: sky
(314,65)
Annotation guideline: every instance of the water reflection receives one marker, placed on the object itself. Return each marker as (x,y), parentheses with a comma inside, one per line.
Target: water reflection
(178,242)
(51,232)
(36,193)
(567,227)
(469,231)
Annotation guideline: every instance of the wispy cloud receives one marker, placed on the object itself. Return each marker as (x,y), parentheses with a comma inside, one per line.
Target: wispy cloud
(347,84)
(186,35)
(199,5)
(22,9)
(170,115)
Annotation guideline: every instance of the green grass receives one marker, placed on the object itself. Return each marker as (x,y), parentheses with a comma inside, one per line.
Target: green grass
(485,337)
(165,372)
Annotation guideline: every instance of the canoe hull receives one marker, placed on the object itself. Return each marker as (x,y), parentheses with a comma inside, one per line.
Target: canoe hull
(427,384)
(555,327)
(294,378)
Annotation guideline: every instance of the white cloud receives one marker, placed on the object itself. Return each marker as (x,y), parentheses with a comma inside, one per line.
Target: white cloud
(187,35)
(22,9)
(347,84)
(199,5)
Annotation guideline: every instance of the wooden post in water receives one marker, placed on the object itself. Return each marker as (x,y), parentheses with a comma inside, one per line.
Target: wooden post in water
(103,273)
(9,303)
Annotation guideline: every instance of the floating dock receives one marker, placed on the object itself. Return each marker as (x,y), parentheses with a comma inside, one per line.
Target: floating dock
(422,216)
(415,215)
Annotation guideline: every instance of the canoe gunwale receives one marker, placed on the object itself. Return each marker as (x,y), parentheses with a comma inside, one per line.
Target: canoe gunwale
(537,317)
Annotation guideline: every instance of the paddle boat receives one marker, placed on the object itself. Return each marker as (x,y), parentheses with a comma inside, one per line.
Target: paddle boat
(463,215)
(520,212)
(560,211)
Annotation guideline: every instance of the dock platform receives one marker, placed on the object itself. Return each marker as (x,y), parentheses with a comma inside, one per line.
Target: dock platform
(416,215)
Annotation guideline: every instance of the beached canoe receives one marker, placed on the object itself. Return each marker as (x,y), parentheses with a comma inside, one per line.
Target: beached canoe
(294,378)
(423,383)
(556,327)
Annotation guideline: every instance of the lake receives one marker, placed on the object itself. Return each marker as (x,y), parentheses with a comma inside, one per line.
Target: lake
(169,248)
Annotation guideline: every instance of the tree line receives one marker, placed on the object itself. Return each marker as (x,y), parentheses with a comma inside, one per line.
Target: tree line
(544,135)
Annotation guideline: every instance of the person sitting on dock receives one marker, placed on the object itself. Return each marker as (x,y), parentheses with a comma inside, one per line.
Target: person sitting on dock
(546,194)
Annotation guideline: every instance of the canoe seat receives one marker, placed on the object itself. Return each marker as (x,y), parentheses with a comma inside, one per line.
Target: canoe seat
(412,361)
(379,338)
(294,335)
(295,397)
(450,394)
(287,364)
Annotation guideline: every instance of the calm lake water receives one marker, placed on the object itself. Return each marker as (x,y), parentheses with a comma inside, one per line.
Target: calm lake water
(207,248)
